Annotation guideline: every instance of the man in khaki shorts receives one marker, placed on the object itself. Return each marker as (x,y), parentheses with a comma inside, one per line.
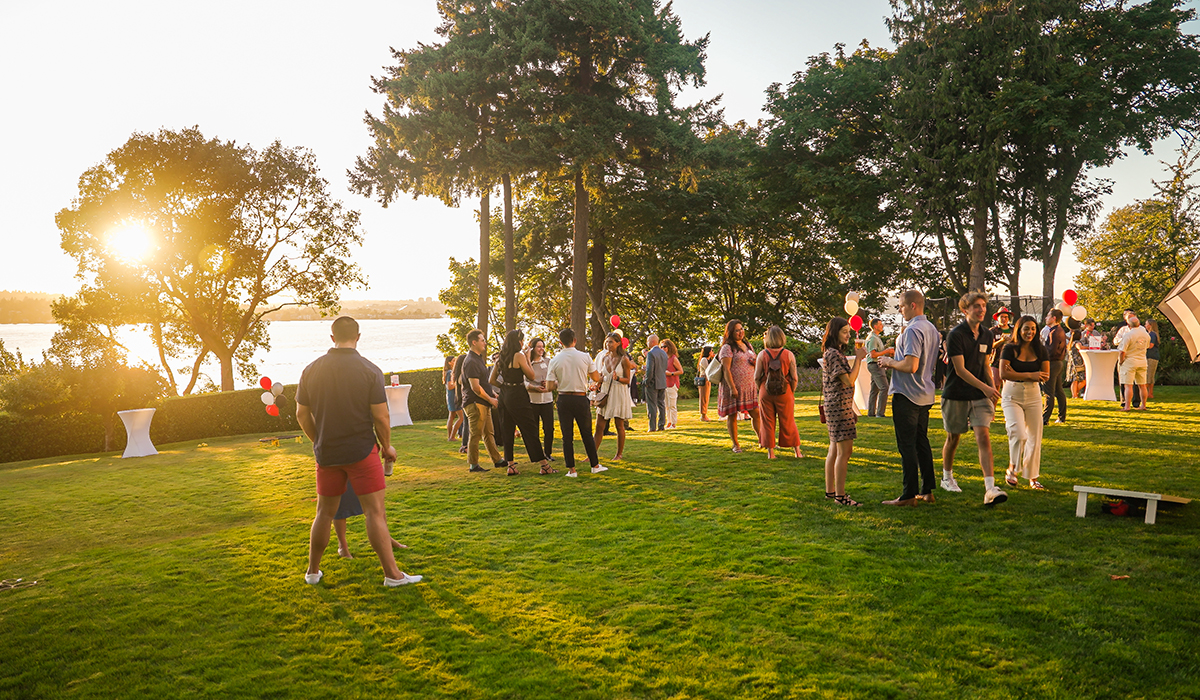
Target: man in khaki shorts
(968,399)
(1134,367)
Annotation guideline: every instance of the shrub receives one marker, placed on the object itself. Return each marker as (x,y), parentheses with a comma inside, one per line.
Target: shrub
(427,398)
(34,437)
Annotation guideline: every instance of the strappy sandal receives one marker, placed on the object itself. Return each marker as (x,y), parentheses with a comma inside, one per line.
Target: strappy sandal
(512,471)
(547,470)
(1036,485)
(1010,478)
(830,494)
(847,501)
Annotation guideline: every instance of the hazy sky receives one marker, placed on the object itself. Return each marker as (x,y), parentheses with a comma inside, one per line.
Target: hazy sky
(79,77)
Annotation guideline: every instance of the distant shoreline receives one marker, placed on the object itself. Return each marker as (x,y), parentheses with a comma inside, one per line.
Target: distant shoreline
(271,320)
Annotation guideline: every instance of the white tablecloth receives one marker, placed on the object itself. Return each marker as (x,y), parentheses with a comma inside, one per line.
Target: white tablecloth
(397,400)
(862,385)
(1101,365)
(137,429)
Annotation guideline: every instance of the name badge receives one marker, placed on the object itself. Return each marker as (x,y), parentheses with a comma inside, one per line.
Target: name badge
(984,349)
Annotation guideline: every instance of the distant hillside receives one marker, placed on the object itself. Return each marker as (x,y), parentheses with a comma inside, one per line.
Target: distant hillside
(422,307)
(26,307)
(34,307)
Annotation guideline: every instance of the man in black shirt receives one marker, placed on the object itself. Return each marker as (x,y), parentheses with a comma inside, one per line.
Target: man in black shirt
(969,397)
(478,402)
(342,408)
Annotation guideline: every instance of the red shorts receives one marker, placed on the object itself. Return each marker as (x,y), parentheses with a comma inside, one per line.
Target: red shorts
(366,475)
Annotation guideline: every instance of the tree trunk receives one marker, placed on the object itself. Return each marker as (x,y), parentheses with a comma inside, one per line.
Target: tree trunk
(226,370)
(979,239)
(579,259)
(598,255)
(156,329)
(510,294)
(196,371)
(485,262)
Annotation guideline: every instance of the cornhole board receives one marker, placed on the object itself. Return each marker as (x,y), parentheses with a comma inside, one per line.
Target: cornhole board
(1151,500)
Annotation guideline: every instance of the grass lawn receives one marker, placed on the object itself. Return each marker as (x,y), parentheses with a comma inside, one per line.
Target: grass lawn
(683,572)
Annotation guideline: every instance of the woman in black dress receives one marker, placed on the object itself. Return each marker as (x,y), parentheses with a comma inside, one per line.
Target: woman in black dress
(509,373)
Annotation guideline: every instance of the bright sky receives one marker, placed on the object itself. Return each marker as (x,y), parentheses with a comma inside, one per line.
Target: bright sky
(79,77)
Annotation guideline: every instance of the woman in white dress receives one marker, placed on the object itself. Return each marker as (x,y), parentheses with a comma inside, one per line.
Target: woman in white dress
(615,371)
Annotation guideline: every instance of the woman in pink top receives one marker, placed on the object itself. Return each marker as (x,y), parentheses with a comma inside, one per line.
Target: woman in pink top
(674,371)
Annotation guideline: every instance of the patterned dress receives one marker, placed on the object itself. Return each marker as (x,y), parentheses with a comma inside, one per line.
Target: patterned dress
(839,398)
(741,373)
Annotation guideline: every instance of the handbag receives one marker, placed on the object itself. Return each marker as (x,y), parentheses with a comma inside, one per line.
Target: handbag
(700,380)
(715,371)
(600,396)
(821,409)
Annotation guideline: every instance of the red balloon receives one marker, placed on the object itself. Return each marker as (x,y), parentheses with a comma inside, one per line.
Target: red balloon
(273,410)
(624,343)
(615,320)
(265,383)
(856,322)
(1070,297)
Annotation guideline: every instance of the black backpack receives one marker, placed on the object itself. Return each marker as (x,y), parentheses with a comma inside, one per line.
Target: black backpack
(775,384)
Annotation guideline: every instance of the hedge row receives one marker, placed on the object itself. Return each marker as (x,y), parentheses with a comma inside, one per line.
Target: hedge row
(195,417)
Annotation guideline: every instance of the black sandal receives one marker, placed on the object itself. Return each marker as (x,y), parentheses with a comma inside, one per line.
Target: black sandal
(547,470)
(847,501)
(512,471)
(830,494)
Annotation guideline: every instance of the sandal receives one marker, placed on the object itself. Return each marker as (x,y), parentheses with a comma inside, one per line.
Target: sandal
(830,494)
(512,471)
(737,450)
(847,501)
(1036,485)
(548,470)
(1010,477)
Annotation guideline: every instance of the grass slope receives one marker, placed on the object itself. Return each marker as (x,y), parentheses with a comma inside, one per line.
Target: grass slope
(684,572)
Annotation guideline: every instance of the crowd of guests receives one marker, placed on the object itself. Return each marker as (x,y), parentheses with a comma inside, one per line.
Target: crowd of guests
(516,392)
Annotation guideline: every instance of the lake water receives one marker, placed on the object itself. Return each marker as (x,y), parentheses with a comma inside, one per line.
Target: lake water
(393,345)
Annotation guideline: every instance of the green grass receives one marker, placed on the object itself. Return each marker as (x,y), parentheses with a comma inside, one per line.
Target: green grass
(684,572)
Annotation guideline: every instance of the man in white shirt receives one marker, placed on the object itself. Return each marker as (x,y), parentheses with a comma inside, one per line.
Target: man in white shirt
(1133,346)
(569,371)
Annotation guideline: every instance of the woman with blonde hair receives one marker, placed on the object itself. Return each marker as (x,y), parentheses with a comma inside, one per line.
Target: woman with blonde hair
(776,377)
(674,372)
(615,372)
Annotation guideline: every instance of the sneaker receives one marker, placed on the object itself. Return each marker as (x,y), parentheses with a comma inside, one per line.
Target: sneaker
(1060,421)
(949,484)
(572,474)
(599,468)
(477,468)
(314,579)
(993,496)
(402,581)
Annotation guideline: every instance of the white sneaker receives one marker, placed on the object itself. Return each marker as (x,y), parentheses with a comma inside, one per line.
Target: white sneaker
(993,496)
(402,581)
(599,468)
(314,579)
(950,485)
(572,474)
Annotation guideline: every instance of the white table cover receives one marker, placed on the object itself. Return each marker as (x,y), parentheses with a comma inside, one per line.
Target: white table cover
(137,430)
(1100,366)
(397,401)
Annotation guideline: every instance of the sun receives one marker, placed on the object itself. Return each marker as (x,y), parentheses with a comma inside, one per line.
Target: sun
(129,241)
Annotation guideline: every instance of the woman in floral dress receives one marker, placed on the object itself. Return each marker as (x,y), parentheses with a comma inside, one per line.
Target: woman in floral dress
(738,390)
(837,390)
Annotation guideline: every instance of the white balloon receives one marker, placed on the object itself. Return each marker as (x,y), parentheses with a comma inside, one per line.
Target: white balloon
(1079,313)
(619,333)
(276,389)
(268,398)
(851,307)
(1064,307)
(852,296)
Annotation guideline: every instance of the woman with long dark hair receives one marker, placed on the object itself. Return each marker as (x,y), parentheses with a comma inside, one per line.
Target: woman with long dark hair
(837,390)
(702,384)
(674,372)
(540,396)
(1024,365)
(738,391)
(615,373)
(453,407)
(510,373)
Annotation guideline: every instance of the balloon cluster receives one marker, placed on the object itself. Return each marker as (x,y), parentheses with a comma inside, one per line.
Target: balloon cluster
(1068,307)
(272,390)
(851,307)
(615,320)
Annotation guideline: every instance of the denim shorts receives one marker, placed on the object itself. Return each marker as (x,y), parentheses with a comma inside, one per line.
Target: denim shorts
(452,401)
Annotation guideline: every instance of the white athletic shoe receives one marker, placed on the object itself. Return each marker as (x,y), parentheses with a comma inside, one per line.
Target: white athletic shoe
(402,581)
(599,468)
(993,496)
(571,474)
(950,485)
(314,579)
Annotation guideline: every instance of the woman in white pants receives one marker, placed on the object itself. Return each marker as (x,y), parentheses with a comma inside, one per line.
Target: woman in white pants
(1024,366)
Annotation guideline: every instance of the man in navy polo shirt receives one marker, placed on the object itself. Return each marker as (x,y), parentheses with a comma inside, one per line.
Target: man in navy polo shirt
(342,408)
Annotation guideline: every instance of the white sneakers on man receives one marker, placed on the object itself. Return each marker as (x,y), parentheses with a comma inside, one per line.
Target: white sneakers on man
(599,468)
(949,484)
(993,496)
(402,581)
